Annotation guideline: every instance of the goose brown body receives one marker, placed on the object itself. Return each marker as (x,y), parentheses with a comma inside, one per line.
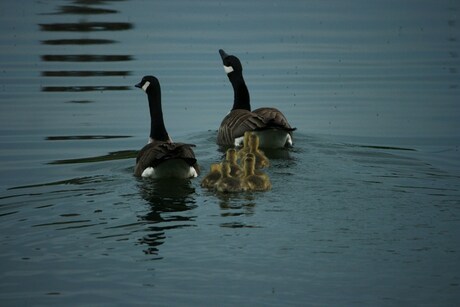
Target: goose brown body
(154,154)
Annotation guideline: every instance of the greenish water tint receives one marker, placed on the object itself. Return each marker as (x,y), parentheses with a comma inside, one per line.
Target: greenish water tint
(364,210)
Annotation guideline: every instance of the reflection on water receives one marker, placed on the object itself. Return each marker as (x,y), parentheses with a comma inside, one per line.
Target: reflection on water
(86,26)
(82,9)
(85,58)
(79,41)
(116,155)
(85,137)
(73,181)
(84,73)
(86,9)
(83,88)
(169,202)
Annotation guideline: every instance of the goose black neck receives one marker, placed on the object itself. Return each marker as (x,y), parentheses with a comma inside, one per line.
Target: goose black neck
(240,90)
(157,125)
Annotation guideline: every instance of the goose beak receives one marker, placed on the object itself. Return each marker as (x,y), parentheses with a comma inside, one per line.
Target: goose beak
(139,85)
(222,53)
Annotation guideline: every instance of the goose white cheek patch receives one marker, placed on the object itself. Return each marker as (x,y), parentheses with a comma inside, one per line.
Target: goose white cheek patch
(145,86)
(228,69)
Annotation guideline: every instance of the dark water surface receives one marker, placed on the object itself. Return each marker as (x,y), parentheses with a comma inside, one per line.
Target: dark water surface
(364,210)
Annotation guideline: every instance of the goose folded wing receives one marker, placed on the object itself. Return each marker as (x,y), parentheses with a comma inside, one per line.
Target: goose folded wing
(274,118)
(236,123)
(155,153)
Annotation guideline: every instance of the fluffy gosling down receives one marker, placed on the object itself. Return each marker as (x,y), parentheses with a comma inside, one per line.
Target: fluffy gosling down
(253,181)
(229,177)
(226,182)
(251,145)
(209,181)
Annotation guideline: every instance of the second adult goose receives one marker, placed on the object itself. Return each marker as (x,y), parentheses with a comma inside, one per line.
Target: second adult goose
(269,124)
(161,157)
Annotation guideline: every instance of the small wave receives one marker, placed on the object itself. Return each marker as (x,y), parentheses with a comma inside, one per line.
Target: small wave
(85,137)
(117,155)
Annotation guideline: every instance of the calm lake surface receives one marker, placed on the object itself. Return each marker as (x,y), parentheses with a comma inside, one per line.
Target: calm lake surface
(364,210)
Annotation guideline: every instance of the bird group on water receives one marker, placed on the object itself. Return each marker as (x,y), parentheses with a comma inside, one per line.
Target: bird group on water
(231,176)
(264,127)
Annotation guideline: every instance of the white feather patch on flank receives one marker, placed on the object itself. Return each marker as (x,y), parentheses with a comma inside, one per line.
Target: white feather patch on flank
(239,141)
(174,168)
(193,173)
(148,172)
(289,142)
(228,69)
(146,86)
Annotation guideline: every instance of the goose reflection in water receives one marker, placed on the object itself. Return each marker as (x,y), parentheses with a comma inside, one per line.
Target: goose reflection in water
(86,9)
(170,202)
(235,207)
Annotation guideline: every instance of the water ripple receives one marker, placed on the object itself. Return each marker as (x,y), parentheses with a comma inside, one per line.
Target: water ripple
(86,26)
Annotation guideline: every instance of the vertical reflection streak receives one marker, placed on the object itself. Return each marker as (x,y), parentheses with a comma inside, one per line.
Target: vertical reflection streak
(75,76)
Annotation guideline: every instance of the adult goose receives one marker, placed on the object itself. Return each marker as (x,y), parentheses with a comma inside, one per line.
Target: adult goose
(269,124)
(161,157)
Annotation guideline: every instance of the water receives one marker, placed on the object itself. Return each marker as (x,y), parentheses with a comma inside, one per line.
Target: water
(364,209)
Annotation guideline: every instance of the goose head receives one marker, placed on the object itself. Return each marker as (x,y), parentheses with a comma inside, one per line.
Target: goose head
(147,83)
(231,62)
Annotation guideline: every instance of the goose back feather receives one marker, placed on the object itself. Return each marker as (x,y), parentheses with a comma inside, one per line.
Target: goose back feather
(235,124)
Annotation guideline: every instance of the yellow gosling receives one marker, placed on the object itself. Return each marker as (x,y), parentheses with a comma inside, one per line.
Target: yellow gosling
(227,183)
(209,181)
(245,149)
(252,180)
(261,160)
(235,169)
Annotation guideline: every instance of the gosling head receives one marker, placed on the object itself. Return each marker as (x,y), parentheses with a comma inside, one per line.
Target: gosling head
(253,142)
(231,155)
(215,168)
(247,134)
(225,169)
(249,165)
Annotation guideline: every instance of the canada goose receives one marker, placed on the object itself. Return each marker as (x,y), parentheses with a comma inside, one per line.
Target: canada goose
(161,157)
(227,183)
(231,158)
(252,180)
(209,181)
(269,124)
